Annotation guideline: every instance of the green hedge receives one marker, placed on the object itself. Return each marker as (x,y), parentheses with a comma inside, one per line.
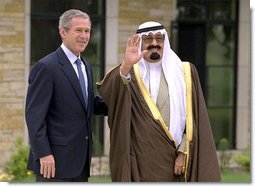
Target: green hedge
(16,166)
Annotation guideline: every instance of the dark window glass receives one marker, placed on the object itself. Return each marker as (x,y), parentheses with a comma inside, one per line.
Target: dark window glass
(205,33)
(206,9)
(222,10)
(220,45)
(45,38)
(222,124)
(220,87)
(191,10)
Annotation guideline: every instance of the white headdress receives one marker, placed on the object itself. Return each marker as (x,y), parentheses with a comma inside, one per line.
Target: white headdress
(173,71)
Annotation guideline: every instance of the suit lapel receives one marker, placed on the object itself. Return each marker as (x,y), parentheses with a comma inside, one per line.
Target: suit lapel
(71,75)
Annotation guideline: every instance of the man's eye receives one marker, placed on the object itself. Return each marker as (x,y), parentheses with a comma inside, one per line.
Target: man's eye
(159,38)
(148,39)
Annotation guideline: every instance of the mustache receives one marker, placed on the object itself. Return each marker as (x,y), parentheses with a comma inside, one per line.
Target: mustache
(153,46)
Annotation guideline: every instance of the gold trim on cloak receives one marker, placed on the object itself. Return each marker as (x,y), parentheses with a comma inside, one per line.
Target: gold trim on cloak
(150,102)
(189,114)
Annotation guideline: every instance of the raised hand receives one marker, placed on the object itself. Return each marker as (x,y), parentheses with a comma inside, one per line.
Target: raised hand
(131,54)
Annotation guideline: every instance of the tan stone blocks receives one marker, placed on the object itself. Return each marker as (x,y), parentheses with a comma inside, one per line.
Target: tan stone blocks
(12,74)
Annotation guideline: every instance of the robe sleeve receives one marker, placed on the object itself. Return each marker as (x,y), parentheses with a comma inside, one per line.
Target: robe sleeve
(117,96)
(182,145)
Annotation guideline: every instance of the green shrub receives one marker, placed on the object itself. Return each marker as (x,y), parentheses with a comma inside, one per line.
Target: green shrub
(16,166)
(244,160)
(223,144)
(224,155)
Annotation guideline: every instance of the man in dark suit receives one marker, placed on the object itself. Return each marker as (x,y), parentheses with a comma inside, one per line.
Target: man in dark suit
(59,106)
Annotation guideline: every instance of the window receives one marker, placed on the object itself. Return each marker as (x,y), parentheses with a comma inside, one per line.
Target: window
(45,39)
(205,33)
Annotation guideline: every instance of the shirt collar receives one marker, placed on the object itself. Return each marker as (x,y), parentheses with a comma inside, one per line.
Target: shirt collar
(72,58)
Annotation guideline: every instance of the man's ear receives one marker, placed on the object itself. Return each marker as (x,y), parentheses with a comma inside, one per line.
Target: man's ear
(62,32)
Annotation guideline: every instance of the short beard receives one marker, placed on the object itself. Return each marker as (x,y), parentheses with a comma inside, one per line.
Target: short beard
(154,56)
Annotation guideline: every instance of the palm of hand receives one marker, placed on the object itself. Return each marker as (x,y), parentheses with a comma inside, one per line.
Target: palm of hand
(132,56)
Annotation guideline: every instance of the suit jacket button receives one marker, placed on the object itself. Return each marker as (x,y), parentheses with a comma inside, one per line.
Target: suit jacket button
(86,138)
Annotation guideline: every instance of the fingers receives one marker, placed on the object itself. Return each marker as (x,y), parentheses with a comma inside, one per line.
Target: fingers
(134,41)
(41,169)
(129,43)
(47,168)
(48,174)
(178,170)
(53,171)
(132,55)
(179,166)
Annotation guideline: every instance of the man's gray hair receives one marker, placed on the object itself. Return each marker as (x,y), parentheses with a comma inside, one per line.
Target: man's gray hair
(66,17)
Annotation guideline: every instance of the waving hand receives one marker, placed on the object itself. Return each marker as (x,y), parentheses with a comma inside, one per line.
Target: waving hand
(131,54)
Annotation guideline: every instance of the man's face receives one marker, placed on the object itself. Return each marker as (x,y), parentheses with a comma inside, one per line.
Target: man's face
(154,43)
(77,37)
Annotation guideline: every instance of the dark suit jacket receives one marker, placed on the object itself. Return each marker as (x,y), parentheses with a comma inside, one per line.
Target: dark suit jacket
(57,120)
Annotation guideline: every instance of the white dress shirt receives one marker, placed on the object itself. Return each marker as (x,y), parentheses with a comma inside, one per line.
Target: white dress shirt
(72,58)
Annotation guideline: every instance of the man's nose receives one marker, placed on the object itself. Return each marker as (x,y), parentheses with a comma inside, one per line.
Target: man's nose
(154,41)
(83,34)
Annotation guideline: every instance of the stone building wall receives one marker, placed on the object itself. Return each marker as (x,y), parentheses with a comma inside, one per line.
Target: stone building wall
(12,74)
(133,12)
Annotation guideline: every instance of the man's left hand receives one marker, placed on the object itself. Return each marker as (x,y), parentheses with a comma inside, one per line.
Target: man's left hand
(179,164)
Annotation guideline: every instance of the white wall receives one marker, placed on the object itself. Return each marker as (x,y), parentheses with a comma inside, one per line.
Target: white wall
(253,71)
(111,53)
(243,118)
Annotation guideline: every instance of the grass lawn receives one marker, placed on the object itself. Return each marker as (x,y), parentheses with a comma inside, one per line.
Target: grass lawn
(93,179)
(236,176)
(98,179)
(228,176)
